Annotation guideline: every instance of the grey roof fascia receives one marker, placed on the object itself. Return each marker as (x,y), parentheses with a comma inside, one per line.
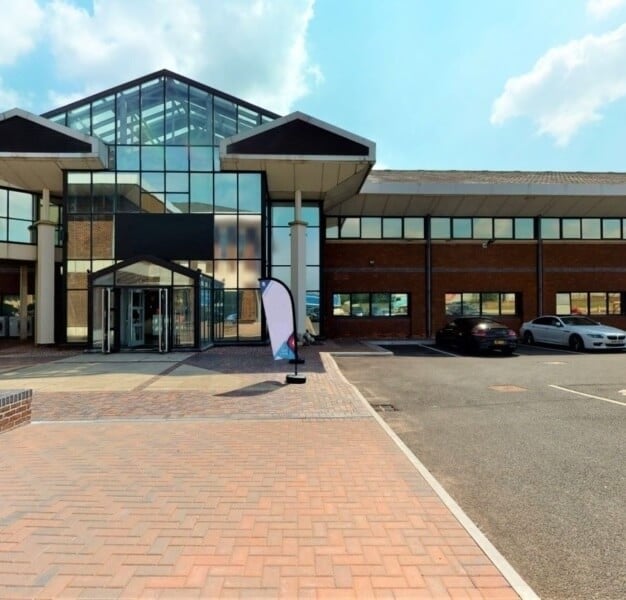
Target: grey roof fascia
(495,189)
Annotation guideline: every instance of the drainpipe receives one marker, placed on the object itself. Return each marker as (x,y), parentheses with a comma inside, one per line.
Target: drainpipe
(539,267)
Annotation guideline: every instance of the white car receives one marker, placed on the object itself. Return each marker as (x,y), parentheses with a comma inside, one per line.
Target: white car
(577,332)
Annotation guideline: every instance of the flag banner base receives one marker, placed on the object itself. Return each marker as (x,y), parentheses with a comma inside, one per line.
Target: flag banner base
(295,379)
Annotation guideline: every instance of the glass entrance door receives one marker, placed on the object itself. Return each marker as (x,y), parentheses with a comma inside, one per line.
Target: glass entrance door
(136,318)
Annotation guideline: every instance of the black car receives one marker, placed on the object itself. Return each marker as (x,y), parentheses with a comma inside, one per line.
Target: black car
(470,334)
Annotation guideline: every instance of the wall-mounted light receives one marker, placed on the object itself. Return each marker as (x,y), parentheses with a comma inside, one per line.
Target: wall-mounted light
(371,262)
(488,243)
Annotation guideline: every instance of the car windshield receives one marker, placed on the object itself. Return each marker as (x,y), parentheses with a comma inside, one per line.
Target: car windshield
(578,321)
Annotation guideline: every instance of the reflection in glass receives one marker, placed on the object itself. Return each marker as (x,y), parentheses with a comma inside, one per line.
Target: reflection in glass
(281,246)
(503,228)
(392,227)
(578,303)
(225,192)
(571,228)
(591,229)
(21,231)
(462,228)
(360,305)
(127,158)
(249,273)
(332,228)
(250,192)
(183,313)
(550,229)
(371,228)
(440,228)
(524,229)
(143,273)
(201,196)
(350,227)
(21,205)
(611,229)
(152,158)
(490,303)
(414,228)
(201,158)
(312,245)
(482,228)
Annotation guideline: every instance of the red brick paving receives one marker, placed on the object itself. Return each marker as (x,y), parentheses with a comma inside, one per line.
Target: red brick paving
(264,490)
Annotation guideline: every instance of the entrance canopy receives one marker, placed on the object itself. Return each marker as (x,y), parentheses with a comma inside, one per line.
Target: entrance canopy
(34,152)
(301,153)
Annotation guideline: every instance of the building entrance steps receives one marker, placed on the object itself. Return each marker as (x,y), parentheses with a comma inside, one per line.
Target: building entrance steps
(208,477)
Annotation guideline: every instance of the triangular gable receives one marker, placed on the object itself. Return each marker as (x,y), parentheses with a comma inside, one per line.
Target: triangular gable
(155,260)
(298,134)
(24,133)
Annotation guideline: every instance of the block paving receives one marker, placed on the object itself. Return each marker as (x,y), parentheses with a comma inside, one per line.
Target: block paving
(238,486)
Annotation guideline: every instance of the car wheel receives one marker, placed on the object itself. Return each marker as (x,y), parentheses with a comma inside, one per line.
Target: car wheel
(529,338)
(576,344)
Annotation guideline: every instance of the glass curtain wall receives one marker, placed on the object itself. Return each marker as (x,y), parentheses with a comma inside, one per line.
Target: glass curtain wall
(163,137)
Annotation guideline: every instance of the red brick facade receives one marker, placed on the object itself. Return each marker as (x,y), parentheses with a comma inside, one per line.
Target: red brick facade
(535,272)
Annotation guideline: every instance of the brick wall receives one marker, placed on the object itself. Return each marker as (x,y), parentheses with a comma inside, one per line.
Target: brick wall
(464,266)
(15,408)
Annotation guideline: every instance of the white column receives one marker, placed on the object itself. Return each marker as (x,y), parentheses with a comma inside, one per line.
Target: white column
(44,282)
(298,264)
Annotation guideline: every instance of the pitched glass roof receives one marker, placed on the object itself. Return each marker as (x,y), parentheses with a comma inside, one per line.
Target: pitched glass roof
(161,108)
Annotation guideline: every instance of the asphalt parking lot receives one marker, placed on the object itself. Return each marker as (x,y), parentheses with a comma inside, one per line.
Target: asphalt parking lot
(531,446)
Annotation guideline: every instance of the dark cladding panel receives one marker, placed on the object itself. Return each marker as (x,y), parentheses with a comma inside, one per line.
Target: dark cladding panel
(298,138)
(171,237)
(21,135)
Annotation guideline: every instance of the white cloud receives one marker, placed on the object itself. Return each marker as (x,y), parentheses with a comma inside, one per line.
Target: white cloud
(568,86)
(18,25)
(254,49)
(8,98)
(602,8)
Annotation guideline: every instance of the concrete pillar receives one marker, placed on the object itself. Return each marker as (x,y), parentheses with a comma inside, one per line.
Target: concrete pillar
(298,264)
(44,282)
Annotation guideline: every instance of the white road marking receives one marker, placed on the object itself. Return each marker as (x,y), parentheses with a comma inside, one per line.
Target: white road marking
(558,387)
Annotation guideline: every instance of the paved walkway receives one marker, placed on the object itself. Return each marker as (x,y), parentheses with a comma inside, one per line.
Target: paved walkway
(206,476)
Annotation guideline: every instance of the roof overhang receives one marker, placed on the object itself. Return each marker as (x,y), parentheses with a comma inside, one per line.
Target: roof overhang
(300,153)
(34,152)
(490,200)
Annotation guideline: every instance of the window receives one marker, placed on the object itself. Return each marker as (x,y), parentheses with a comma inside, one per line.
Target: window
(590,303)
(371,304)
(482,303)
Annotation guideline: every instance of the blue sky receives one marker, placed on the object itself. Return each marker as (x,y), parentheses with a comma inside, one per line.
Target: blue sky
(437,84)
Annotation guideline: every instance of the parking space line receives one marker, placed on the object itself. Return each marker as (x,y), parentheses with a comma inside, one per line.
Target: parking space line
(558,387)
